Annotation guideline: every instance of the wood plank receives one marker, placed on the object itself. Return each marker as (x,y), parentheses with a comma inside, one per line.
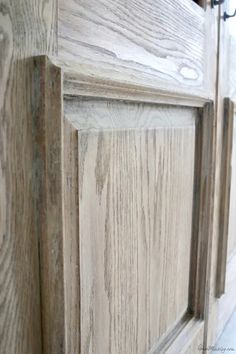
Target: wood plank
(47,134)
(26,28)
(157,43)
(203,212)
(129,249)
(226,157)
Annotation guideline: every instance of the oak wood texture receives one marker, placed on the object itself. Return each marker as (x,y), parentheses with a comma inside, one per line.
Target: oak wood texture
(73,163)
(109,125)
(136,162)
(26,28)
(48,138)
(31,29)
(227,142)
(78,84)
(162,44)
(203,213)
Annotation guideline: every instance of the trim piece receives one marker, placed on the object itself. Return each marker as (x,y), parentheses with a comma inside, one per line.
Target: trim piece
(226,156)
(47,134)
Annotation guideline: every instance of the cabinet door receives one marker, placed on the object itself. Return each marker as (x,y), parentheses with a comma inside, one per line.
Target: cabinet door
(128,197)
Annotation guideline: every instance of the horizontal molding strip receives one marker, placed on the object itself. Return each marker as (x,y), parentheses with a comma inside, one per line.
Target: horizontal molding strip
(82,82)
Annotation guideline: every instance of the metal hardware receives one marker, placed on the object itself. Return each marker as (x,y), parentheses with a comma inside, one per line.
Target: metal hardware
(216,2)
(226,16)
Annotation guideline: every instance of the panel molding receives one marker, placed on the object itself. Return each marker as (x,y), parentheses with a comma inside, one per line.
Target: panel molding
(202,227)
(184,335)
(47,134)
(77,84)
(203,210)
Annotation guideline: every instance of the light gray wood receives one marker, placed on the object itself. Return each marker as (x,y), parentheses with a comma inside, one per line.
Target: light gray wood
(129,249)
(188,342)
(107,252)
(232,206)
(100,45)
(227,301)
(163,44)
(48,137)
(225,194)
(71,239)
(78,84)
(26,28)
(90,114)
(221,93)
(203,213)
(186,337)
(224,88)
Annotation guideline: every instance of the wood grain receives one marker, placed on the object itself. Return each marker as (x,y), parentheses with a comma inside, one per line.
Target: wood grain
(222,81)
(26,28)
(202,213)
(77,84)
(105,39)
(227,142)
(48,137)
(136,162)
(71,239)
(162,44)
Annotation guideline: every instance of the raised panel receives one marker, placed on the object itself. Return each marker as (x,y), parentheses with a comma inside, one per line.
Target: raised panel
(136,189)
(162,44)
(125,255)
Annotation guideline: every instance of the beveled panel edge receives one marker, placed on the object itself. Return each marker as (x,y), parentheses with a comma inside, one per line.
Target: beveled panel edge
(175,342)
(91,117)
